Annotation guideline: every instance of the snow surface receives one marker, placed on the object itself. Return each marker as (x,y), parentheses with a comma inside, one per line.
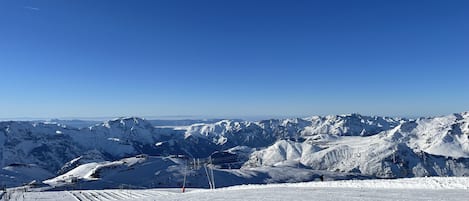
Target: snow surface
(450,188)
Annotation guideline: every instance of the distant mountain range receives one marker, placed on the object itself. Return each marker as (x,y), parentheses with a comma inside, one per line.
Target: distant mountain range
(78,123)
(340,146)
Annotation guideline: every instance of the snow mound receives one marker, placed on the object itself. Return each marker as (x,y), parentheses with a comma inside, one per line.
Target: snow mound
(436,183)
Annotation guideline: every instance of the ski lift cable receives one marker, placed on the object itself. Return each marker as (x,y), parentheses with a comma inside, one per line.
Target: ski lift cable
(213,178)
(185,178)
(208,176)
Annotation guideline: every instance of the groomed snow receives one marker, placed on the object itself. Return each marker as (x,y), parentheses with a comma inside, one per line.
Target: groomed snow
(436,183)
(434,188)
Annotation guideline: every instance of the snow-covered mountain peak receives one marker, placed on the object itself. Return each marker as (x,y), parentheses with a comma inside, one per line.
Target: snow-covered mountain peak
(127,122)
(352,115)
(350,125)
(465,114)
(214,129)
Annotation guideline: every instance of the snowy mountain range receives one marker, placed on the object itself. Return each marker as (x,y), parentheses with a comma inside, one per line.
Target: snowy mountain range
(339,146)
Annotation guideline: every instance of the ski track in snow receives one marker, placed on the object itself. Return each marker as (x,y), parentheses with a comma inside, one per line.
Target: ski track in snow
(90,195)
(434,188)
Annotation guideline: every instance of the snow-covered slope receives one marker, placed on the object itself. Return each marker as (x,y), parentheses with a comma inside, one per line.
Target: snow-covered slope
(424,147)
(45,145)
(118,137)
(263,133)
(148,171)
(446,136)
(414,189)
(350,125)
(372,146)
(51,145)
(375,157)
(15,174)
(29,142)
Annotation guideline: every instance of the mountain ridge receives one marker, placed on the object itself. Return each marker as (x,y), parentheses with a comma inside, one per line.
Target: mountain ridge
(334,143)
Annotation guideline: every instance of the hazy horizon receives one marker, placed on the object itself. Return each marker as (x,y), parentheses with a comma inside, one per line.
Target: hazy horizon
(202,117)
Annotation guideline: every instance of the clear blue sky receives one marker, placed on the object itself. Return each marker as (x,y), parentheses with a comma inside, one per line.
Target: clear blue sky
(88,58)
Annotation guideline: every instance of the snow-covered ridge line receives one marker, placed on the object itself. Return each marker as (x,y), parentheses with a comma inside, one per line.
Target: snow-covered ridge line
(435,183)
(380,147)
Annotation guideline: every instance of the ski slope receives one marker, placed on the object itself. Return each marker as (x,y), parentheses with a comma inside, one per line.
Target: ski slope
(433,188)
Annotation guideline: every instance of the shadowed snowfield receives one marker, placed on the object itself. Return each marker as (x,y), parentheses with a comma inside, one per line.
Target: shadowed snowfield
(448,188)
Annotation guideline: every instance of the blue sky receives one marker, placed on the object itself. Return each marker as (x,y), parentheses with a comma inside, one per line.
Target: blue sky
(63,58)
